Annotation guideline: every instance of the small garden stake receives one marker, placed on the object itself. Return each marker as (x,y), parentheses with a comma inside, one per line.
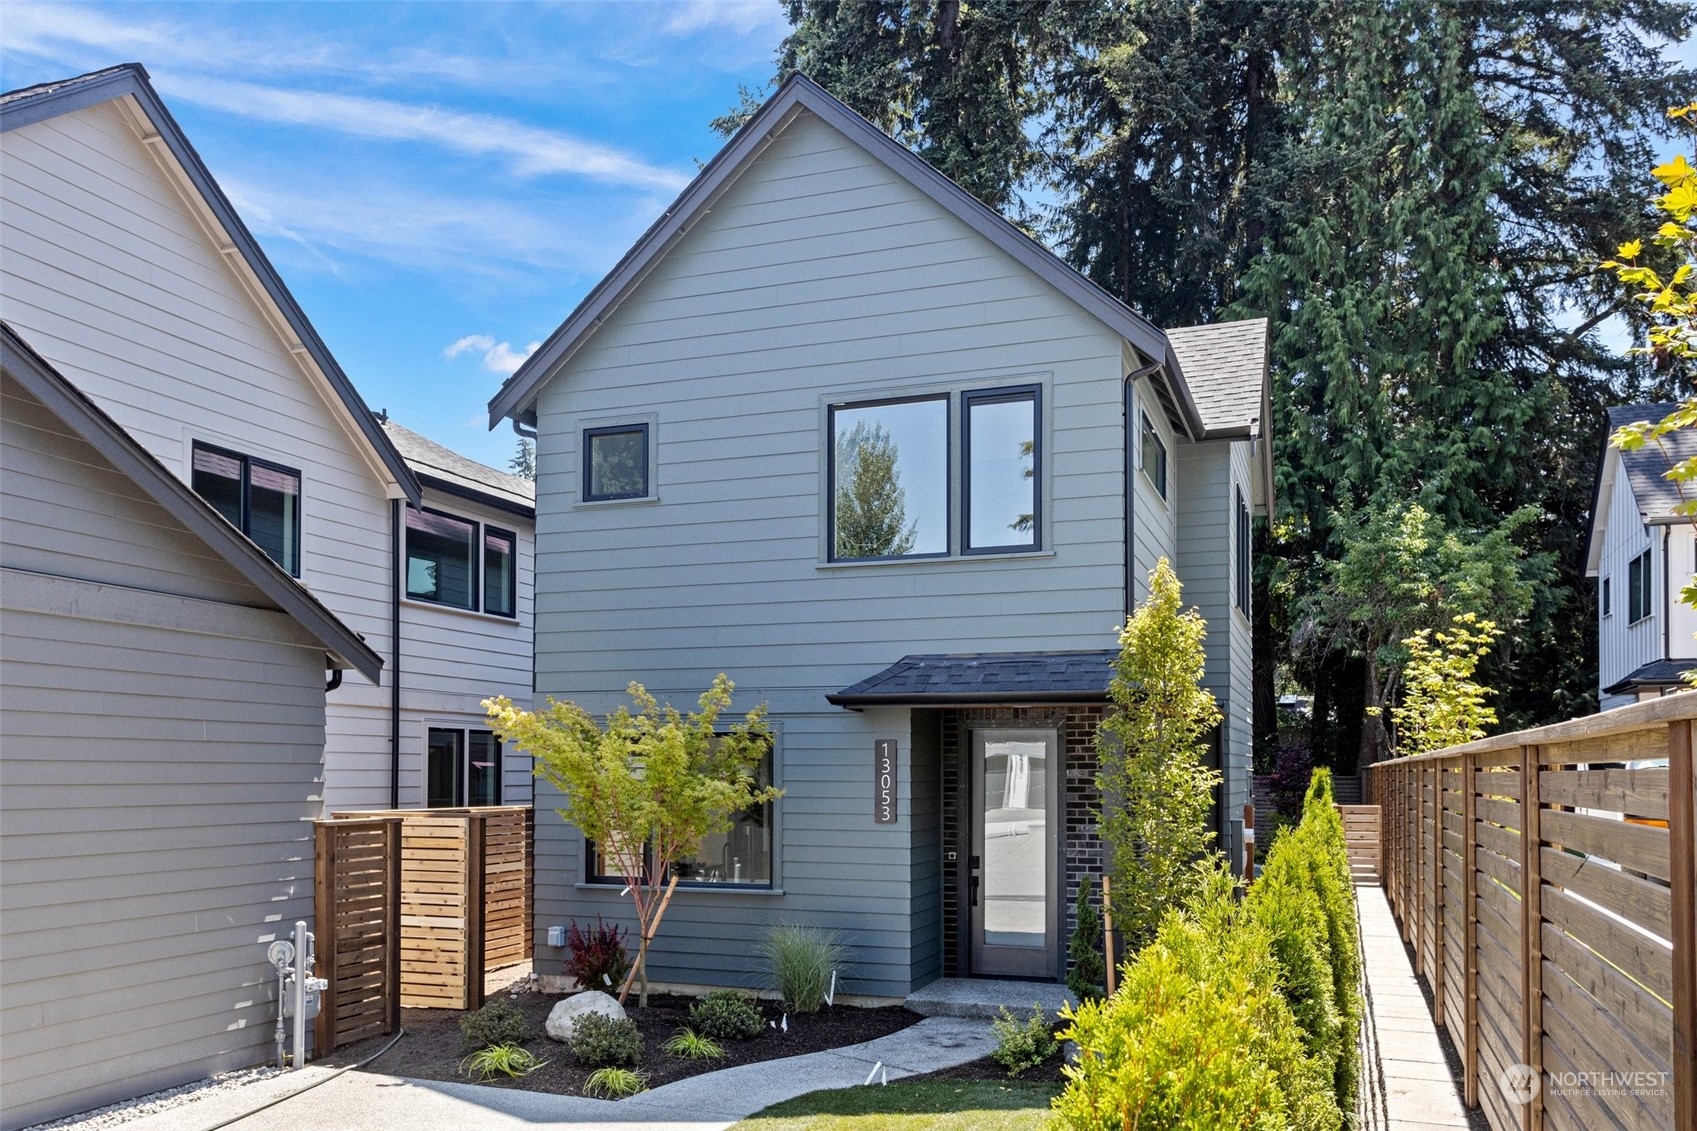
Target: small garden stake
(1108,931)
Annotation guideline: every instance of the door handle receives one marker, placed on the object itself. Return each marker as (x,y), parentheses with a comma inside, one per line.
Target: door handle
(972,889)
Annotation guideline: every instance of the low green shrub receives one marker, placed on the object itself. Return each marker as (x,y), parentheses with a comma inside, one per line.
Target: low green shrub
(1197,1037)
(599,1040)
(1087,969)
(726,1015)
(615,1083)
(498,1023)
(691,1045)
(1022,1045)
(801,960)
(500,1060)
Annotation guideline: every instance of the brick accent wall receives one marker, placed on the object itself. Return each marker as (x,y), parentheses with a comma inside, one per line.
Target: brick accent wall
(1080,848)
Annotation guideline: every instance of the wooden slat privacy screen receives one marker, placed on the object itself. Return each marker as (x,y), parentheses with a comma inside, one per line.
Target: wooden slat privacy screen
(465,899)
(1546,881)
(357,929)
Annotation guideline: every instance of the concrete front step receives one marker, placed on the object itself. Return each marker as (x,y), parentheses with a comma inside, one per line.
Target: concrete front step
(984,997)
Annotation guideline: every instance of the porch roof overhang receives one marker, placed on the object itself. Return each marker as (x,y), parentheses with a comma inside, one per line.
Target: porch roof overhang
(979,678)
(1656,673)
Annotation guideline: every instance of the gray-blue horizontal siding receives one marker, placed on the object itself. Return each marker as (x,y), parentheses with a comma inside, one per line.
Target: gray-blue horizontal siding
(818,276)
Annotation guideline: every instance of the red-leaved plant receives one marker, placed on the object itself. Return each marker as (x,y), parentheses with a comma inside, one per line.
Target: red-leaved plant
(598,958)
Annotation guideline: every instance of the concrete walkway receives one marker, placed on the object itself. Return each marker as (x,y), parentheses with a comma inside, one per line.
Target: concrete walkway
(361,1101)
(1406,1082)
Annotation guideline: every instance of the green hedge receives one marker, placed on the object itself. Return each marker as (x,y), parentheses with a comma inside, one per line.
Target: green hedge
(1238,1015)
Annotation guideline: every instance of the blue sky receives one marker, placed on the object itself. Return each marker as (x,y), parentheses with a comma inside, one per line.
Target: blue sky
(439,184)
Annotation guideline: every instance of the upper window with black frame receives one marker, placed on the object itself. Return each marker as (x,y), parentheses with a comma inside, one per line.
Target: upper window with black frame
(890,479)
(1638,588)
(1244,570)
(1153,455)
(445,567)
(1003,461)
(260,498)
(615,463)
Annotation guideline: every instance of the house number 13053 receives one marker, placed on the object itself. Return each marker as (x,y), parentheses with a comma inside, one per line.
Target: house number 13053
(884,781)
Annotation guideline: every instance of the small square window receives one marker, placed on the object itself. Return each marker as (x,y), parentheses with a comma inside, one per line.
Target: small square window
(615,463)
(1153,456)
(452,779)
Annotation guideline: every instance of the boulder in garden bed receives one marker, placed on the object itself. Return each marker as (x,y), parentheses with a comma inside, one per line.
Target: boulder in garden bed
(562,1019)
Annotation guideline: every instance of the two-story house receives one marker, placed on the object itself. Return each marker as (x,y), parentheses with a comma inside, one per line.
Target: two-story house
(1642,552)
(836,428)
(126,267)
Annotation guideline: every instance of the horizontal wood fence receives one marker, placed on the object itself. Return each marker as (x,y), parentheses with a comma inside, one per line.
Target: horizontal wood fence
(465,879)
(1546,881)
(1362,827)
(357,929)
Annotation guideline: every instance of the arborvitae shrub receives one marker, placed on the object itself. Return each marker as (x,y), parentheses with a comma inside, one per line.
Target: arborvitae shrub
(1087,971)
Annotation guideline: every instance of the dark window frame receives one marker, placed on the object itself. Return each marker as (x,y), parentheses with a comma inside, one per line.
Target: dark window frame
(1640,600)
(589,437)
(947,402)
(1242,555)
(248,463)
(1009,395)
(462,785)
(1147,435)
(1604,601)
(592,854)
(480,531)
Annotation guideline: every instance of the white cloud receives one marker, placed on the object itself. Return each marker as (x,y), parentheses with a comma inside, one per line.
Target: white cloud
(740,16)
(498,357)
(528,150)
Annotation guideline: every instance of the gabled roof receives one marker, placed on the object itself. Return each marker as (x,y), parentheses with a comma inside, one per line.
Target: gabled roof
(984,677)
(33,104)
(445,470)
(1646,469)
(799,94)
(1227,363)
(106,436)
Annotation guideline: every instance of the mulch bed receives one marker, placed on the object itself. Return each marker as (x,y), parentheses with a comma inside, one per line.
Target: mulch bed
(1049,1072)
(431,1049)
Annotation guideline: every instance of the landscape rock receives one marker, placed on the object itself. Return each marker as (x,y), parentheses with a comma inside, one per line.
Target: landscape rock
(562,1019)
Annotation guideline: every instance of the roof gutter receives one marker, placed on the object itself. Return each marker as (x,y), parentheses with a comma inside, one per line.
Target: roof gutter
(966,699)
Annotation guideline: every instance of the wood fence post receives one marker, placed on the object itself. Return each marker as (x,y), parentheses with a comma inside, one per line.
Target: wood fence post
(474,868)
(1532,934)
(1682,876)
(1438,895)
(324,932)
(1409,853)
(1470,933)
(392,835)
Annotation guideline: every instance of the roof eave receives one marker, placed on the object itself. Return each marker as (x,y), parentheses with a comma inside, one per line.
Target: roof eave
(965,699)
(472,494)
(65,401)
(131,79)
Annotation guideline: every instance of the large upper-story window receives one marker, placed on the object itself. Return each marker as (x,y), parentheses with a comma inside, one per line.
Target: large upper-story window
(1003,461)
(890,479)
(1638,588)
(460,563)
(260,498)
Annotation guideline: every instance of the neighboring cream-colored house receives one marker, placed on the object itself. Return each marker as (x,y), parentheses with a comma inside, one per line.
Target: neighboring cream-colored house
(162,713)
(126,267)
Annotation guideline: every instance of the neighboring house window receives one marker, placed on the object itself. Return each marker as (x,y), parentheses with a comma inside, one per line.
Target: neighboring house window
(615,463)
(260,498)
(741,856)
(889,479)
(446,567)
(1638,587)
(1243,564)
(1154,455)
(1003,470)
(462,767)
(1605,601)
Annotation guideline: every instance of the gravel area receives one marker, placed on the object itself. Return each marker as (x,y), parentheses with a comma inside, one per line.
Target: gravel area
(114,1115)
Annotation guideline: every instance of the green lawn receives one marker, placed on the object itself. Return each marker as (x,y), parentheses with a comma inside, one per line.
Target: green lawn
(966,1105)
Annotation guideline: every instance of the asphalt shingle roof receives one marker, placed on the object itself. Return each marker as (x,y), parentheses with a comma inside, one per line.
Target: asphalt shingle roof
(1646,468)
(985,677)
(1656,673)
(431,460)
(1225,365)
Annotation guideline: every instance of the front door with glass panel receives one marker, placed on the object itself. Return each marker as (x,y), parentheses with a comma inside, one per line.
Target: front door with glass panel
(1015,836)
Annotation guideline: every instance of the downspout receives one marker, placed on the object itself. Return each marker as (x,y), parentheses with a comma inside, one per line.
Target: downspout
(524,433)
(334,681)
(1126,408)
(396,566)
(1667,595)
